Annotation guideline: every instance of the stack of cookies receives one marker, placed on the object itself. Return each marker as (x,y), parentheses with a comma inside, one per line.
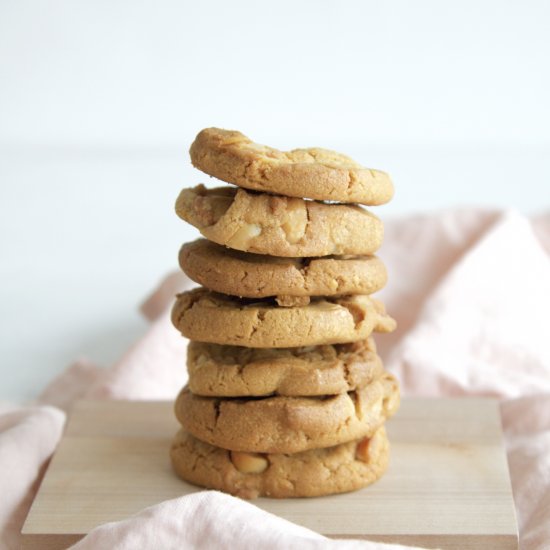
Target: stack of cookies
(286,396)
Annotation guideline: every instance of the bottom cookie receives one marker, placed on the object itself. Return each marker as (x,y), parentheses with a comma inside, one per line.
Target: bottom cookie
(312,473)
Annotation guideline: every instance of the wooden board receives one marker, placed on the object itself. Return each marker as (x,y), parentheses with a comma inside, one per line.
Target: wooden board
(447,485)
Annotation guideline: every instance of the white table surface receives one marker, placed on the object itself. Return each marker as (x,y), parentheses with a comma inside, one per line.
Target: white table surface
(85,234)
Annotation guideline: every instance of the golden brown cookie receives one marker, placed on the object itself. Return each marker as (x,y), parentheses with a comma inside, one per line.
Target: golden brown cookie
(288,424)
(235,371)
(317,472)
(258,276)
(220,319)
(313,173)
(279,226)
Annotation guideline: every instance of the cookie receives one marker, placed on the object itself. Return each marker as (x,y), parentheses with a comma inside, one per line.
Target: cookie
(288,424)
(279,226)
(313,173)
(234,371)
(220,319)
(318,472)
(258,276)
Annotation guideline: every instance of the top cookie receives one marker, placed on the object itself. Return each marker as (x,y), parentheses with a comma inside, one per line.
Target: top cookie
(308,173)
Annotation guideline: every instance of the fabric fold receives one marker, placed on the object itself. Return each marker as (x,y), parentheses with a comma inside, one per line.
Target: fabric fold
(28,437)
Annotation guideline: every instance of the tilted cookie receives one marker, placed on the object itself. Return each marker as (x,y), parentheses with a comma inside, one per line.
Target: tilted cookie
(279,226)
(288,424)
(220,319)
(235,371)
(293,280)
(331,470)
(314,173)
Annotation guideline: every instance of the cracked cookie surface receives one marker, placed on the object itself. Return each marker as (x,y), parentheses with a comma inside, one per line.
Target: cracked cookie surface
(258,275)
(314,173)
(288,424)
(338,469)
(235,371)
(279,226)
(220,319)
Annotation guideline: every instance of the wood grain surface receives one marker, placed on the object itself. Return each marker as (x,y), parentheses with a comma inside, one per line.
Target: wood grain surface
(447,485)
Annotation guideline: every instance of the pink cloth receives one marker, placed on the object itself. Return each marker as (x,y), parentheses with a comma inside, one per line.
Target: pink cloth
(28,437)
(210,519)
(471,292)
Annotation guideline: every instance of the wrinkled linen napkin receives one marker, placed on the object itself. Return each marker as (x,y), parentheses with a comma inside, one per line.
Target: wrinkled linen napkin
(470,290)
